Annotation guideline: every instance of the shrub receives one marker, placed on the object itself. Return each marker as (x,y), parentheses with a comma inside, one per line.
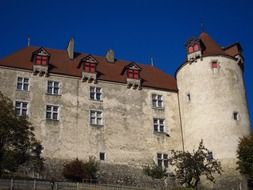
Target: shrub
(155,171)
(78,170)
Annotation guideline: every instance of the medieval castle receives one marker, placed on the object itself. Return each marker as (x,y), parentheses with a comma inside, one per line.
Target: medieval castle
(128,113)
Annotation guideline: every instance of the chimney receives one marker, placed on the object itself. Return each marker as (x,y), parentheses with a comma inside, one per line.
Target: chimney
(110,56)
(70,48)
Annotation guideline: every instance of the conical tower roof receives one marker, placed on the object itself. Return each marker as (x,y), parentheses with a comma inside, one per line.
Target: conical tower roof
(210,46)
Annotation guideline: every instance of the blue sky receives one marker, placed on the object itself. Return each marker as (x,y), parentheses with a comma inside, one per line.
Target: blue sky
(135,29)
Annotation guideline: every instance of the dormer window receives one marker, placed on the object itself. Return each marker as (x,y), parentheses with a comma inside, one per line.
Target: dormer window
(41,60)
(90,67)
(133,74)
(193,47)
(89,64)
(196,47)
(190,49)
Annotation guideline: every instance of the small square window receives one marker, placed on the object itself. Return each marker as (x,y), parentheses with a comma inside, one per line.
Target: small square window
(158,125)
(215,65)
(53,87)
(162,160)
(21,108)
(236,116)
(102,156)
(96,117)
(157,101)
(23,83)
(95,93)
(52,112)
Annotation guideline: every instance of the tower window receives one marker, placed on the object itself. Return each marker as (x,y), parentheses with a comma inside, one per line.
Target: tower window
(190,49)
(196,47)
(133,74)
(101,156)
(215,65)
(188,97)
(236,115)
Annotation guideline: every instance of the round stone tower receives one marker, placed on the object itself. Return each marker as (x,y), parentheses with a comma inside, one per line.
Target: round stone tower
(212,99)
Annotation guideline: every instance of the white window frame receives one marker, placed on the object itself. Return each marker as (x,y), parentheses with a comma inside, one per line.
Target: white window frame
(21,108)
(53,87)
(96,91)
(23,83)
(52,112)
(157,101)
(159,123)
(162,160)
(95,117)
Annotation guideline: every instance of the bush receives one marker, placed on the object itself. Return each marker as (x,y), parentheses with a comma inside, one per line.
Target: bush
(78,170)
(155,171)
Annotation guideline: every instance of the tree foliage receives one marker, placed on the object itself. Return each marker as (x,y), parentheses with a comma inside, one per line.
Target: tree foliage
(78,170)
(190,166)
(18,145)
(155,171)
(245,156)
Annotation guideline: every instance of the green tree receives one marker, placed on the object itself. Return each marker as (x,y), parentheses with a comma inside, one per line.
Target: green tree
(78,170)
(18,145)
(245,156)
(155,171)
(190,166)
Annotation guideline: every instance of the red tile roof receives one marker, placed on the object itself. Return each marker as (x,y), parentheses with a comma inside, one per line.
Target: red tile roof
(61,64)
(211,47)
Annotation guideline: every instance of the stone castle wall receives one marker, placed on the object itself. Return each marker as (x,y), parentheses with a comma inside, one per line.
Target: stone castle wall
(127,135)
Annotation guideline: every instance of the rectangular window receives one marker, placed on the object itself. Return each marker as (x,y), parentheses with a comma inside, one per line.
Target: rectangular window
(236,116)
(157,101)
(158,125)
(23,83)
(96,117)
(90,67)
(52,112)
(95,93)
(101,156)
(215,65)
(53,88)
(41,60)
(188,97)
(21,108)
(133,74)
(162,160)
